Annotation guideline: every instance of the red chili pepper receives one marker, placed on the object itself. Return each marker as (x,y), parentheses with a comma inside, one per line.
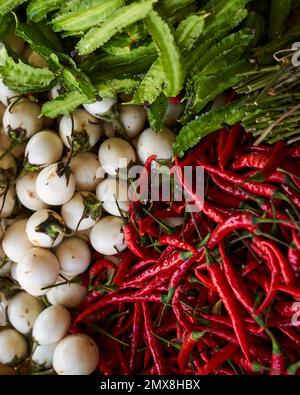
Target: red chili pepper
(183,268)
(230,189)
(204,357)
(100,265)
(205,280)
(152,342)
(248,367)
(137,334)
(250,266)
(294,260)
(166,253)
(146,222)
(222,199)
(103,367)
(274,161)
(259,161)
(154,285)
(215,214)
(228,298)
(190,340)
(257,351)
(125,370)
(268,248)
(122,326)
(256,161)
(169,263)
(139,266)
(123,268)
(236,282)
(143,181)
(292,194)
(212,297)
(198,151)
(261,189)
(286,309)
(218,359)
(278,360)
(131,237)
(174,241)
(260,279)
(293,172)
(291,334)
(275,274)
(291,152)
(181,317)
(189,226)
(116,298)
(231,141)
(293,291)
(244,221)
(276,177)
(222,135)
(191,196)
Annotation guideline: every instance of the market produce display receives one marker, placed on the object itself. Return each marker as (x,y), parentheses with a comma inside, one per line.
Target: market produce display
(97,280)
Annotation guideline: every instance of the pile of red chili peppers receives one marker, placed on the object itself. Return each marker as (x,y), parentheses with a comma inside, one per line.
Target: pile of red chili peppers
(217,295)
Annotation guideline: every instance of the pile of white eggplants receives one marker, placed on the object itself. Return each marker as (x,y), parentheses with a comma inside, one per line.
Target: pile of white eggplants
(57,197)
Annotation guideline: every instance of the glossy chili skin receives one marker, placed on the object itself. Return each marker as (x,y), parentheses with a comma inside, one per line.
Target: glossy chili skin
(100,265)
(232,138)
(218,359)
(114,298)
(189,342)
(227,296)
(174,241)
(236,282)
(152,341)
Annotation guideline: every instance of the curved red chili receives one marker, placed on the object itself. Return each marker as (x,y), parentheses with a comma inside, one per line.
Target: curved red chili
(228,298)
(218,359)
(153,342)
(236,282)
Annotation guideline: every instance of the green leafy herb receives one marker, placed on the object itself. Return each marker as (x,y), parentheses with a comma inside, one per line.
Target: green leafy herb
(92,14)
(115,23)
(207,123)
(170,7)
(39,9)
(40,38)
(64,104)
(224,53)
(169,53)
(110,88)
(157,111)
(207,87)
(151,85)
(134,63)
(9,5)
(22,77)
(280,10)
(5,21)
(189,31)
